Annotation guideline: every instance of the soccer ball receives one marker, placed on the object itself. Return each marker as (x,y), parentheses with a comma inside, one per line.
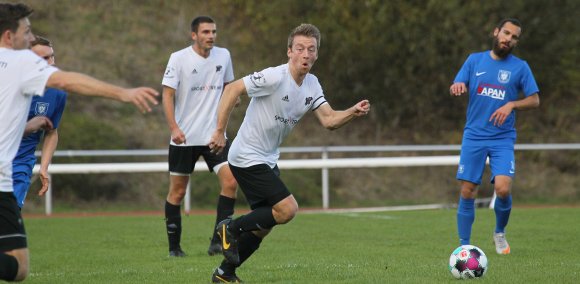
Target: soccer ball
(467,262)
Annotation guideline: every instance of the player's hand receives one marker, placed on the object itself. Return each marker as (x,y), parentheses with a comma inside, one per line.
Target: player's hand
(177,136)
(501,114)
(38,123)
(362,108)
(142,97)
(217,142)
(457,89)
(45,182)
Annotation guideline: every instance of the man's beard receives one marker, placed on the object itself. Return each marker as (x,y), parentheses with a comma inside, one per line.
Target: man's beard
(501,52)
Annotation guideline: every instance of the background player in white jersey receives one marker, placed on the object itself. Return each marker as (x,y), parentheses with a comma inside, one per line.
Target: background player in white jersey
(192,86)
(495,78)
(49,106)
(22,75)
(280,96)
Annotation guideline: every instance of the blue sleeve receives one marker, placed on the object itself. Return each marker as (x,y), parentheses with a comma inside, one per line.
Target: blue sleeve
(59,109)
(528,82)
(465,72)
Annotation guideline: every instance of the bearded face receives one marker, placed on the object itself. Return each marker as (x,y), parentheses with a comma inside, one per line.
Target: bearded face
(505,39)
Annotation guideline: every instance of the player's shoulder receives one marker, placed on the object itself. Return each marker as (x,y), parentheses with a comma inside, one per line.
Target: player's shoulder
(57,93)
(180,53)
(22,55)
(220,50)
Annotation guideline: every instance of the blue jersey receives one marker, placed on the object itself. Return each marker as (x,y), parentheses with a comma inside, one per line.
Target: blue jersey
(492,84)
(50,105)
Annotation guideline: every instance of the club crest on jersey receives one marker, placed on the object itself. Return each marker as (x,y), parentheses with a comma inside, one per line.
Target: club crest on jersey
(503,76)
(258,78)
(41,108)
(308,101)
(169,72)
(218,68)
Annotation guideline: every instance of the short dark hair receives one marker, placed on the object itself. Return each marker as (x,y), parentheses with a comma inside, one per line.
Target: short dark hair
(38,40)
(514,21)
(11,14)
(198,20)
(307,30)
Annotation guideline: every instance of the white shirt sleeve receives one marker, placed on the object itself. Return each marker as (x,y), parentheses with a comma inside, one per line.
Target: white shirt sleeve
(262,83)
(36,72)
(171,75)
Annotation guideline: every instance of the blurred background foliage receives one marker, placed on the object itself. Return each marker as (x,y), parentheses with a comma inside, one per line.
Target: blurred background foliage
(401,55)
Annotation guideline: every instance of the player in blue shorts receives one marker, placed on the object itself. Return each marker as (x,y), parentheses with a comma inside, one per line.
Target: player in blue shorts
(495,79)
(50,106)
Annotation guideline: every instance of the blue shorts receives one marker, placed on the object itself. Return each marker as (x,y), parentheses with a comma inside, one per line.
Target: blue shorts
(474,154)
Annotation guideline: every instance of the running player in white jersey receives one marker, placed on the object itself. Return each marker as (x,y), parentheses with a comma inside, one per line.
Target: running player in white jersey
(24,74)
(280,96)
(192,86)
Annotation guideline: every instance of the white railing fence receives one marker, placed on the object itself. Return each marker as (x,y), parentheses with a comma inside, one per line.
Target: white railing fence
(324,163)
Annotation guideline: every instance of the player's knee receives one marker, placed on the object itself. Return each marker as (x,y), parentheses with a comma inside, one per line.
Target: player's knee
(468,191)
(502,191)
(230,185)
(287,213)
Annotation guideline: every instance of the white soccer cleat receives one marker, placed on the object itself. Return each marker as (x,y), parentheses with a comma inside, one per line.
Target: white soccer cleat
(501,245)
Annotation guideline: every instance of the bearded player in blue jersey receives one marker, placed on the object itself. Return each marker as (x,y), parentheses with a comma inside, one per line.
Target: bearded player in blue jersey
(494,80)
(50,106)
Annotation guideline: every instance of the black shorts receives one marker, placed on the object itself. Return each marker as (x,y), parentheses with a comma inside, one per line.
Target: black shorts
(12,233)
(182,159)
(261,185)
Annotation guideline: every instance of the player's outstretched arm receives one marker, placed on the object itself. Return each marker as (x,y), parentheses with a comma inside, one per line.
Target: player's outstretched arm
(228,101)
(332,119)
(73,82)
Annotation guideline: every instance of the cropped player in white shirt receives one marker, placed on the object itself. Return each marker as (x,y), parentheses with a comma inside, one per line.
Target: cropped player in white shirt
(280,96)
(24,74)
(192,86)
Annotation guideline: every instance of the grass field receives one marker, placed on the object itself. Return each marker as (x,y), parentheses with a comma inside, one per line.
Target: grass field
(383,247)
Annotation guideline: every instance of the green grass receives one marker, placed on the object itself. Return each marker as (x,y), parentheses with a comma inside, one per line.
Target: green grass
(385,247)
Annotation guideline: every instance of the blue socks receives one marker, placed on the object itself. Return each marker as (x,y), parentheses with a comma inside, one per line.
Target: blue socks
(502,208)
(465,218)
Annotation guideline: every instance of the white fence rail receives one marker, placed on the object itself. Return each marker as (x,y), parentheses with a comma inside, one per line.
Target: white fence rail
(324,163)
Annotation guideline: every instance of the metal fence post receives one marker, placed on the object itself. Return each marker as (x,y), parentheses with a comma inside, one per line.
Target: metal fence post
(325,194)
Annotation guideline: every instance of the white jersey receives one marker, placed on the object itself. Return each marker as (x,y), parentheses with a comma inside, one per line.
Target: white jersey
(198,84)
(22,75)
(276,106)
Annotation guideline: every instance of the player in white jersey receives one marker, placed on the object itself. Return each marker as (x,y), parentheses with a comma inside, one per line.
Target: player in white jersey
(24,74)
(280,96)
(192,86)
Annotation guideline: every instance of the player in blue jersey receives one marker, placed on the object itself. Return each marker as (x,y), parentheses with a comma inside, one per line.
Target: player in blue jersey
(50,106)
(495,80)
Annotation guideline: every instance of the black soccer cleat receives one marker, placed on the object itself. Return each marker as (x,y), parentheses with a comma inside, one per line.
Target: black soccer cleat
(215,246)
(177,253)
(218,277)
(229,242)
